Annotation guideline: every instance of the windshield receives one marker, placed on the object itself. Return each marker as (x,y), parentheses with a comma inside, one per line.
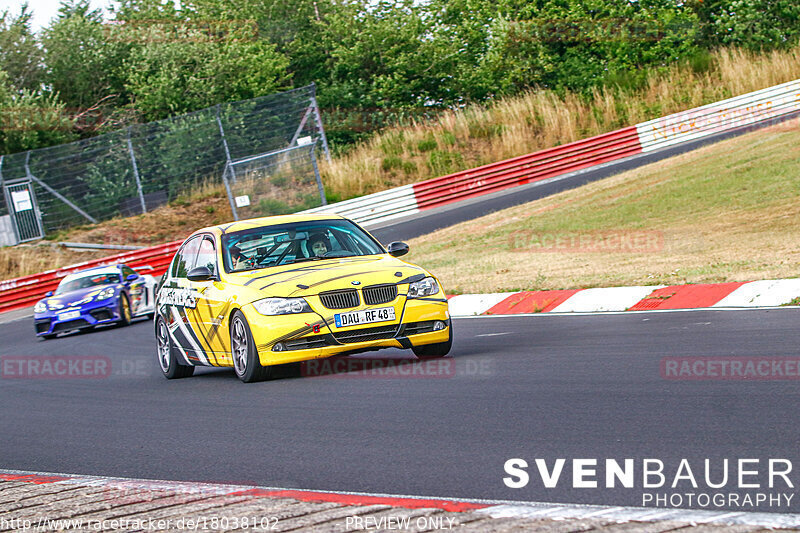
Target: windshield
(294,243)
(90,280)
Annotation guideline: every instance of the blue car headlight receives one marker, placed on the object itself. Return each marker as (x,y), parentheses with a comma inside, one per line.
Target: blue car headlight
(105,294)
(423,287)
(40,307)
(281,306)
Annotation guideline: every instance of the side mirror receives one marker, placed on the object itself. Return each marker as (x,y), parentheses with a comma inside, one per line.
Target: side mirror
(48,293)
(202,273)
(132,277)
(397,248)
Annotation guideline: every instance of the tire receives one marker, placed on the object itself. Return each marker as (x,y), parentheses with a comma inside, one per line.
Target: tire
(124,310)
(244,353)
(169,364)
(440,349)
(150,316)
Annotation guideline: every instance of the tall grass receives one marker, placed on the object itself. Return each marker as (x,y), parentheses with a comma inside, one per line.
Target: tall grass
(476,135)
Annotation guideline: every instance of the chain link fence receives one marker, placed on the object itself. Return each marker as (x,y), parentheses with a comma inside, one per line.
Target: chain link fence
(263,149)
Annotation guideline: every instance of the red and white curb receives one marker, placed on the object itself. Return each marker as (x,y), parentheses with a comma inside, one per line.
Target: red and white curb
(490,508)
(743,295)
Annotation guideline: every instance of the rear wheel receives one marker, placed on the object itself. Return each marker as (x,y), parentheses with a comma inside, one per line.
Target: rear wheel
(124,310)
(169,364)
(244,353)
(440,349)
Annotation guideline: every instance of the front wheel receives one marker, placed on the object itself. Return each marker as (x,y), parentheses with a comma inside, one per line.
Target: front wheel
(171,368)
(440,349)
(244,352)
(124,310)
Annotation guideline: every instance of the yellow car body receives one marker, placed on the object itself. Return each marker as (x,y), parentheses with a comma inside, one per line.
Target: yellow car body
(371,289)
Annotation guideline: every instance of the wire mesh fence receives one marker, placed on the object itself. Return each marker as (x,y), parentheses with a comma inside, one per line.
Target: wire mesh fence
(135,170)
(276,183)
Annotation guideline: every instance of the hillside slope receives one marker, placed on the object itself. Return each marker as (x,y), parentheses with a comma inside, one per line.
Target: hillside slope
(726,212)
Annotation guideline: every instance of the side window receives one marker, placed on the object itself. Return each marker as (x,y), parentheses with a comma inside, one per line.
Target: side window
(127,271)
(185,260)
(207,255)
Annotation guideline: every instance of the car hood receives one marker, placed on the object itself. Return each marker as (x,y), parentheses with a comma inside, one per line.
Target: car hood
(313,277)
(68,298)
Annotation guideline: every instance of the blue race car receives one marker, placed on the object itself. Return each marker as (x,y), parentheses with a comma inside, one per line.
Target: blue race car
(89,298)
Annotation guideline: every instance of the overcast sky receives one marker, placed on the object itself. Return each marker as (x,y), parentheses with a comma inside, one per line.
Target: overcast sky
(43,10)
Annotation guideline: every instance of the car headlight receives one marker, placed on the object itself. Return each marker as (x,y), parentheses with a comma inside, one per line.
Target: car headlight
(281,306)
(105,294)
(40,307)
(423,287)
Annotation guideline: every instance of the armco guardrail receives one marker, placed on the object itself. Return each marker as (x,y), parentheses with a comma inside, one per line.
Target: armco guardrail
(26,291)
(728,115)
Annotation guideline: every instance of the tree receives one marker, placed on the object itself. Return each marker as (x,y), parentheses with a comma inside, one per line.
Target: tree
(166,77)
(83,59)
(31,119)
(754,24)
(20,54)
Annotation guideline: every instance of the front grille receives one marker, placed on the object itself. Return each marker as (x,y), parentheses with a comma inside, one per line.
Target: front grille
(366,334)
(339,299)
(101,314)
(379,294)
(72,324)
(42,326)
(415,328)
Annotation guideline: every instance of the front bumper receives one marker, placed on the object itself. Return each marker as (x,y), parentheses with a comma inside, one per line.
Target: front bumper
(92,314)
(319,337)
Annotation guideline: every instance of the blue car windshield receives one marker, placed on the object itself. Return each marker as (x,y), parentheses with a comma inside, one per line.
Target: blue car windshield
(88,281)
(284,244)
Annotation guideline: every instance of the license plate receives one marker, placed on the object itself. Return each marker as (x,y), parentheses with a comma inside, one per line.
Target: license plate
(367,316)
(69,315)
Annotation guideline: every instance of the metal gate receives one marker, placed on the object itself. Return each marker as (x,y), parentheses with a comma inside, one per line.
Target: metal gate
(24,211)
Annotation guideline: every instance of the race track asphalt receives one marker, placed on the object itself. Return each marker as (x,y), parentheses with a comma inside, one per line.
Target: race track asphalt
(529,386)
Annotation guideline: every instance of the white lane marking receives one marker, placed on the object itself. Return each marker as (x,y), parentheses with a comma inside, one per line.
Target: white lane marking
(493,334)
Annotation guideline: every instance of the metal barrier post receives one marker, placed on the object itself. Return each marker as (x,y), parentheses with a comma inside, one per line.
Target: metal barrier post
(318,118)
(316,175)
(228,189)
(225,144)
(136,171)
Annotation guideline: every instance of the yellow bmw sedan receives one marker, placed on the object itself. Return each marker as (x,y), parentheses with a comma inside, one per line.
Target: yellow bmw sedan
(263,292)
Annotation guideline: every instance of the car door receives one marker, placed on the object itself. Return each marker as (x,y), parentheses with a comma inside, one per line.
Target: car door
(177,298)
(136,289)
(211,306)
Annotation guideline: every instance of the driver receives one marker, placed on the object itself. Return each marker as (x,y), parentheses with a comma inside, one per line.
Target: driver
(319,244)
(238,259)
